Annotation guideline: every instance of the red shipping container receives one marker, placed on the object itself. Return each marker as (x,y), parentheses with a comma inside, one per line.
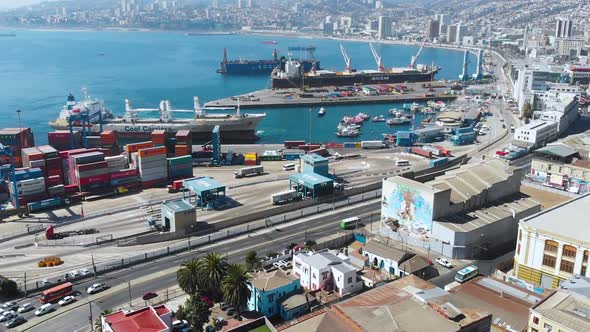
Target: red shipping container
(93,179)
(53,181)
(154,183)
(124,174)
(54,172)
(92,166)
(71,188)
(53,163)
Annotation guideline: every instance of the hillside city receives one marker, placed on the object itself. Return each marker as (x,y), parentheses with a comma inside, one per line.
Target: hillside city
(473,217)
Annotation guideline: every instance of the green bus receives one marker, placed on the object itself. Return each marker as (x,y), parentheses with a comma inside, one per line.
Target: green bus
(349,222)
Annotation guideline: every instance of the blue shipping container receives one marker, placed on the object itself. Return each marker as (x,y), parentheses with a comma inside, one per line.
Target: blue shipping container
(26,174)
(45,204)
(438,161)
(464,130)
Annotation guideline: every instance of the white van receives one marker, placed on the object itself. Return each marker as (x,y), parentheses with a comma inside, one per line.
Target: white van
(289,167)
(46,308)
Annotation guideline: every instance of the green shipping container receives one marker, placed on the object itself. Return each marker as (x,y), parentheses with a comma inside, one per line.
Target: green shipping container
(271,158)
(180,160)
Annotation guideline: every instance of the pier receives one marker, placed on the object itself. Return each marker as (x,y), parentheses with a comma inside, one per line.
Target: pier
(362,94)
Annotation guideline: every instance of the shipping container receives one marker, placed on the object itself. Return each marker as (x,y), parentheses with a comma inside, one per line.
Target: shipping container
(421,152)
(293,144)
(27,174)
(438,161)
(130,148)
(45,204)
(443,151)
(284,197)
(372,145)
(242,172)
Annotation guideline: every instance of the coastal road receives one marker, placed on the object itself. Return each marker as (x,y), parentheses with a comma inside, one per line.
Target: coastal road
(263,242)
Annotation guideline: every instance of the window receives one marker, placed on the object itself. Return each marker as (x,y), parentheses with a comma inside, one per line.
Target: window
(313,276)
(349,280)
(536,320)
(569,251)
(567,266)
(551,246)
(271,297)
(549,260)
(325,275)
(547,326)
(297,265)
(518,249)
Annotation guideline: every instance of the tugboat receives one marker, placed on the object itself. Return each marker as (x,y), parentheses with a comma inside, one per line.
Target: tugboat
(321,112)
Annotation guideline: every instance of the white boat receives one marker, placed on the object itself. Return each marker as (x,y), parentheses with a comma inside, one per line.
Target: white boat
(321,112)
(399,121)
(379,118)
(348,133)
(363,116)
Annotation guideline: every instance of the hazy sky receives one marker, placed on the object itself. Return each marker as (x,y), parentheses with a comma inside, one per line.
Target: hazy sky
(16,3)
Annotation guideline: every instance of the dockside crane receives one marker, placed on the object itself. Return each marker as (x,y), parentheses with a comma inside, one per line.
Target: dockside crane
(377,57)
(348,68)
(415,57)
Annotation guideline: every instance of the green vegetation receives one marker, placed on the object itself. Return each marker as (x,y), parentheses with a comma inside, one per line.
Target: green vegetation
(188,276)
(8,287)
(195,311)
(212,269)
(98,321)
(252,261)
(235,286)
(527,112)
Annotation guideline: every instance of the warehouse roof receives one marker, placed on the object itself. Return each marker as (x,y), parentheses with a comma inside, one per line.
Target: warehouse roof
(178,205)
(550,221)
(203,184)
(567,308)
(309,180)
(558,150)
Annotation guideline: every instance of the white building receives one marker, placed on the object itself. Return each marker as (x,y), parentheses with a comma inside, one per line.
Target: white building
(553,245)
(563,28)
(535,134)
(384,29)
(561,108)
(530,79)
(326,270)
(570,47)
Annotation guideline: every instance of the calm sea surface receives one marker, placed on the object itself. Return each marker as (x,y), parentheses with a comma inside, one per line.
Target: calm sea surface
(38,69)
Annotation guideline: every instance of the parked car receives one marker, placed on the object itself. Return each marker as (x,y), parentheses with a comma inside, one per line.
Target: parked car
(9,305)
(45,282)
(224,306)
(179,325)
(7,315)
(74,274)
(444,262)
(66,300)
(44,309)
(25,307)
(84,272)
(16,321)
(231,311)
(149,296)
(96,288)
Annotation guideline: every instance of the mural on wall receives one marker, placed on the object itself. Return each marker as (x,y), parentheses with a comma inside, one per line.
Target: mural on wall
(406,207)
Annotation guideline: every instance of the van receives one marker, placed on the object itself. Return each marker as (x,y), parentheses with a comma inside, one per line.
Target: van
(289,167)
(46,308)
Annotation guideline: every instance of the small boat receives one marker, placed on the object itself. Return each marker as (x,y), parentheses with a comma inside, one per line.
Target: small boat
(379,118)
(428,110)
(394,111)
(353,120)
(270,42)
(415,107)
(348,127)
(321,112)
(398,121)
(348,133)
(363,116)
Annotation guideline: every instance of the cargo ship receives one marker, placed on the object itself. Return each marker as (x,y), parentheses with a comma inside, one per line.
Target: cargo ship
(234,127)
(290,74)
(265,67)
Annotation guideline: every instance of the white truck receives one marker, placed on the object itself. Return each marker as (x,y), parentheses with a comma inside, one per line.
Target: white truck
(242,172)
(372,145)
(284,197)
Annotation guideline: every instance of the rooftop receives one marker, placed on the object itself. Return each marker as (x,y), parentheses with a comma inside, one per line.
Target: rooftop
(178,205)
(550,221)
(567,308)
(385,251)
(314,158)
(558,149)
(577,284)
(202,184)
(308,179)
(296,300)
(142,320)
(265,281)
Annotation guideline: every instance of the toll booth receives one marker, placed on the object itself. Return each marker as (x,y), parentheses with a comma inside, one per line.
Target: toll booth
(204,192)
(178,216)
(311,185)
(314,163)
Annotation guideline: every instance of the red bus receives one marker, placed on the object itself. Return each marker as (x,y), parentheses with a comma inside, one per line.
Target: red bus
(56,293)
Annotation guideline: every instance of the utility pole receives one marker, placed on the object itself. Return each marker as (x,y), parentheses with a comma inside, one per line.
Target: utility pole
(129,288)
(90,316)
(310,126)
(25,284)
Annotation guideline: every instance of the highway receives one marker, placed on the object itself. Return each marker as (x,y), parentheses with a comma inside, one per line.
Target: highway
(263,242)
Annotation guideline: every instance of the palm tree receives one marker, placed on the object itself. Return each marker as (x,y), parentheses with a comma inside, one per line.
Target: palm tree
(98,321)
(235,286)
(187,276)
(527,111)
(211,271)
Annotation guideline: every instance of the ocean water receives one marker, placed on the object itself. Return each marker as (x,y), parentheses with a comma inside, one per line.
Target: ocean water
(39,68)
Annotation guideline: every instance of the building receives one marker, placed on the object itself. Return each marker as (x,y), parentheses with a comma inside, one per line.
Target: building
(465,213)
(432,30)
(569,47)
(461,31)
(444,20)
(578,73)
(178,216)
(563,28)
(449,120)
(452,33)
(531,78)
(326,270)
(384,28)
(314,164)
(559,166)
(406,304)
(311,184)
(157,319)
(553,245)
(566,310)
(561,108)
(386,258)
(535,134)
(268,289)
(261,324)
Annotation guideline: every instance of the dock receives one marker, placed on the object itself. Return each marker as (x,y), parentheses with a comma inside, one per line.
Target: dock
(372,94)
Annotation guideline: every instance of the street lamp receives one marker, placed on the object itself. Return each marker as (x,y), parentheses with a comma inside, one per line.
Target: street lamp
(310,126)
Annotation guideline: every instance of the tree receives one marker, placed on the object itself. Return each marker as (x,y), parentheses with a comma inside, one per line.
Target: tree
(187,276)
(212,268)
(527,111)
(98,321)
(8,287)
(195,311)
(252,260)
(235,286)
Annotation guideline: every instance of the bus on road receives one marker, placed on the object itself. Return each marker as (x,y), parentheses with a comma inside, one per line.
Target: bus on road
(55,293)
(467,273)
(349,222)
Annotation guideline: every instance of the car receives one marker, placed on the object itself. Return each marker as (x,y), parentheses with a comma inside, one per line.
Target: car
(179,325)
(149,296)
(9,305)
(231,311)
(84,272)
(25,307)
(45,282)
(444,262)
(46,308)
(66,300)
(16,321)
(96,288)
(74,274)
(7,315)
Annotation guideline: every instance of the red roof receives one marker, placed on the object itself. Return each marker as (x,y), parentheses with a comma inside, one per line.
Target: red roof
(142,320)
(162,310)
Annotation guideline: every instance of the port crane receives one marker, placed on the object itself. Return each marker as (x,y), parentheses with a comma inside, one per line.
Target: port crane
(415,57)
(377,57)
(166,109)
(348,68)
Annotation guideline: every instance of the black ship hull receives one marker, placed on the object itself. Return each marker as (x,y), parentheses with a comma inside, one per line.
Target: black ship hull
(353,79)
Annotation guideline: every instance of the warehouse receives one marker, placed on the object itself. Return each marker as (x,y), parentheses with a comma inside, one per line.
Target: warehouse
(311,185)
(314,163)
(204,192)
(178,216)
(429,134)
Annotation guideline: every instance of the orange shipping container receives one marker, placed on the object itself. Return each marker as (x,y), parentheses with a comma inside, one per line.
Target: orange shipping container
(152,151)
(130,148)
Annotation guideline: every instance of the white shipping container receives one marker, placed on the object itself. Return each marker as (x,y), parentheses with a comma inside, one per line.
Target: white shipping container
(283,197)
(151,158)
(152,166)
(152,173)
(372,144)
(153,177)
(30,182)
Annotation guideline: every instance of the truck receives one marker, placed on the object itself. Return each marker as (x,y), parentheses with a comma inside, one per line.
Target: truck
(443,151)
(284,197)
(45,204)
(435,151)
(372,145)
(421,152)
(175,187)
(254,170)
(51,234)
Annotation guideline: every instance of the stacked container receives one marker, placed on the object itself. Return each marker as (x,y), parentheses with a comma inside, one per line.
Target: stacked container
(159,137)
(116,163)
(89,171)
(17,139)
(108,141)
(180,167)
(93,142)
(184,143)
(127,178)
(30,186)
(130,149)
(61,139)
(151,163)
(251,159)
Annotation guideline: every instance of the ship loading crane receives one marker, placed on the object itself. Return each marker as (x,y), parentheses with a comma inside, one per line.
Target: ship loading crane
(415,57)
(377,57)
(347,60)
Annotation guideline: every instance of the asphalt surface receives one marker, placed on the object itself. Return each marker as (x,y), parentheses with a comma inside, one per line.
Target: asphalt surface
(273,241)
